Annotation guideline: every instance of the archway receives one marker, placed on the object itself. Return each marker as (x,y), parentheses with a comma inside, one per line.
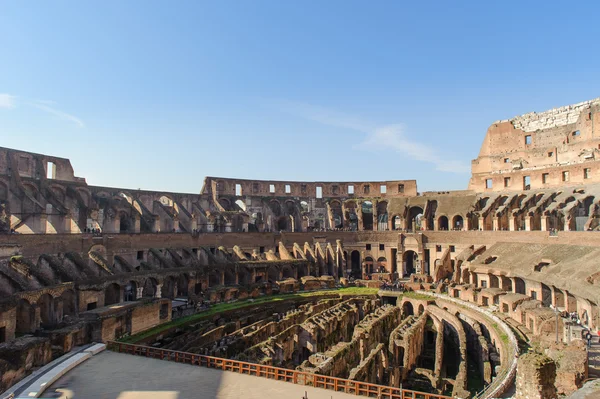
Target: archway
(183,285)
(214,279)
(130,292)
(457,222)
(272,274)
(382,216)
(367,215)
(282,223)
(68,303)
(382,265)
(442,223)
(112,294)
(546,295)
(229,277)
(355,264)
(287,271)
(150,286)
(397,223)
(368,265)
(25,317)
(410,259)
(124,224)
(415,216)
(169,288)
(407,309)
(519,286)
(46,305)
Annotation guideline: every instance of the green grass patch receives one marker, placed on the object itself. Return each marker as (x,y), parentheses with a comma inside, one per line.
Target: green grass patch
(416,295)
(224,307)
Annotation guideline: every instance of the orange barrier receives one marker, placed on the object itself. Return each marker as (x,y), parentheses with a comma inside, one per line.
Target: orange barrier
(276,373)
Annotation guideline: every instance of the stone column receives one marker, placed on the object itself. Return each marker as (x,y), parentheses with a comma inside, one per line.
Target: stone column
(512,222)
(139,292)
(481,223)
(375,222)
(222,278)
(137,224)
(67,224)
(544,223)
(158,293)
(495,223)
(156,224)
(527,223)
(43,229)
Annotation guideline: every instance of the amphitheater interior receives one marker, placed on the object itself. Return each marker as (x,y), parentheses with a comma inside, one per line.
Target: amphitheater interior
(485,292)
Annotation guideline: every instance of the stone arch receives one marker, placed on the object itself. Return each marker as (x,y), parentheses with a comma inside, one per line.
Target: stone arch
(520,286)
(421,309)
(112,294)
(396,222)
(150,287)
(458,222)
(546,295)
(367,215)
(169,288)
(25,320)
(225,203)
(275,207)
(272,274)
(443,223)
(410,259)
(237,223)
(69,307)
(414,220)
(244,276)
(214,279)
(183,283)
(368,265)
(125,224)
(287,271)
(130,291)
(282,223)
(46,305)
(407,309)
(382,216)
(229,276)
(382,264)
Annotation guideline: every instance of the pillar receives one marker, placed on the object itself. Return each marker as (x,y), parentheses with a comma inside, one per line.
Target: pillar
(43,224)
(512,221)
(544,223)
(495,223)
(139,292)
(158,291)
(67,220)
(137,224)
(481,223)
(156,224)
(527,223)
(375,222)
(222,278)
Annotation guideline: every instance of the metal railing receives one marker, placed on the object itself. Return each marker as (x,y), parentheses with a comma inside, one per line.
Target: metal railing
(275,373)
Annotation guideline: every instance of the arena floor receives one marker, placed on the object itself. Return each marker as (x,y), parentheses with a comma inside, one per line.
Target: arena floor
(120,376)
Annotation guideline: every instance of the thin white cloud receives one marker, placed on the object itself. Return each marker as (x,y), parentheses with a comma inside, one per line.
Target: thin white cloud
(58,113)
(7,101)
(392,137)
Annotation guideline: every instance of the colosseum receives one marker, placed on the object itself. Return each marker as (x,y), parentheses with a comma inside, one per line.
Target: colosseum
(327,289)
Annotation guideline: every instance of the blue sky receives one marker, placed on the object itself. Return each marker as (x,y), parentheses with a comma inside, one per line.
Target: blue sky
(157,95)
